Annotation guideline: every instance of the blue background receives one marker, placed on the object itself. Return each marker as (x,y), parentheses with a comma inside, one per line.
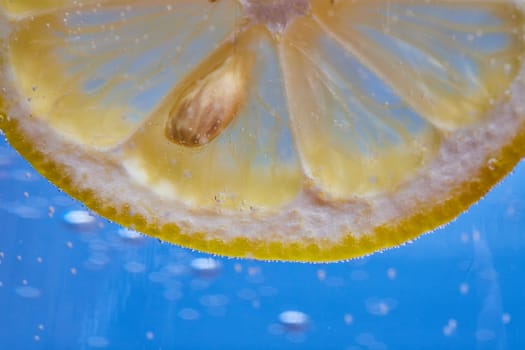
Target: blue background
(73,286)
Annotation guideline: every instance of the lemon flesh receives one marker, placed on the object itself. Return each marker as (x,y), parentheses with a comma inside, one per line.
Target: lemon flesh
(290,130)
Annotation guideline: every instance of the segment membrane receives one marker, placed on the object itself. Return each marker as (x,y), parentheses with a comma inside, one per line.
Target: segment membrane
(355,135)
(448,60)
(250,164)
(94,72)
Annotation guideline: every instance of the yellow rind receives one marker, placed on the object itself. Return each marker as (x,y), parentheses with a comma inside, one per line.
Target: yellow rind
(429,217)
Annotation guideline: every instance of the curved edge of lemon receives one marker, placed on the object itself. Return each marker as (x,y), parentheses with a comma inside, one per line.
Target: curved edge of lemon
(382,237)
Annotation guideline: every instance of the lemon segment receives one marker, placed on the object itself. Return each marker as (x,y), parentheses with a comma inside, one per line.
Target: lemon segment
(355,136)
(116,65)
(252,164)
(449,60)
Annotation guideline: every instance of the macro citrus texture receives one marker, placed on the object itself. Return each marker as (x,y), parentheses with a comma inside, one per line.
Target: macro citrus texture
(305,130)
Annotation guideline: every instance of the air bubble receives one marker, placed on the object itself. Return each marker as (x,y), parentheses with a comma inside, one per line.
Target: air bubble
(80,220)
(391,273)
(28,292)
(205,267)
(380,307)
(26,212)
(135,267)
(189,314)
(97,342)
(450,327)
(294,320)
(369,341)
(214,300)
(173,294)
(129,234)
(247,294)
(485,335)
(507,68)
(349,319)
(97,261)
(492,163)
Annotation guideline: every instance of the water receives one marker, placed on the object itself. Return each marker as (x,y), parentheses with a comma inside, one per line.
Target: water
(71,280)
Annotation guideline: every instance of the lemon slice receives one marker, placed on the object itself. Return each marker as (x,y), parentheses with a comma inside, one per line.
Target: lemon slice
(302,130)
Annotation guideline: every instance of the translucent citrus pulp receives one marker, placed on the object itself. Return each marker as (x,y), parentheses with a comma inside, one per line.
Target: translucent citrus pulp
(302,130)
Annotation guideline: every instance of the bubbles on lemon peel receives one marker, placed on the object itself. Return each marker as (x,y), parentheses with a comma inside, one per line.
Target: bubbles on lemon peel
(492,163)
